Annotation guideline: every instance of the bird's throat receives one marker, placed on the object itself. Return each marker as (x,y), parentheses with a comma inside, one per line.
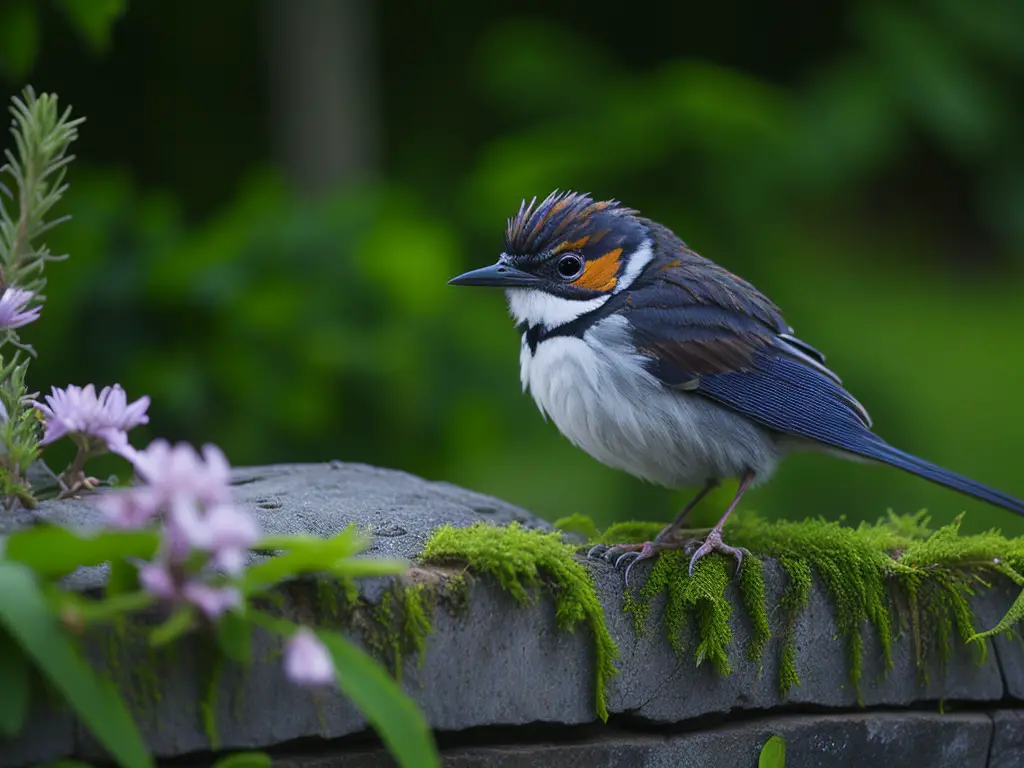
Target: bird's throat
(532,307)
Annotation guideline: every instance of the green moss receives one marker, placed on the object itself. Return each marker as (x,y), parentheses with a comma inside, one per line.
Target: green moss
(416,623)
(457,594)
(578,524)
(629,531)
(522,560)
(138,678)
(792,603)
(386,640)
(335,601)
(853,567)
(894,574)
(208,706)
(702,599)
(398,627)
(751,588)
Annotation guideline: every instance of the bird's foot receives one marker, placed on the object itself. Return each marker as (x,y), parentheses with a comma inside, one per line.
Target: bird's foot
(628,555)
(714,543)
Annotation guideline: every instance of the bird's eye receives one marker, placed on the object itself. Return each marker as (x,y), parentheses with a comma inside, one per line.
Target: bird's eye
(570,266)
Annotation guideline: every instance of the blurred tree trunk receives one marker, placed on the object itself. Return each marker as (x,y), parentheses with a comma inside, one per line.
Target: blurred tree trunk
(323,89)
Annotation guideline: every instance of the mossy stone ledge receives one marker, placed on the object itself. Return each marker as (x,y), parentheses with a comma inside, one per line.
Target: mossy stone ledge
(502,627)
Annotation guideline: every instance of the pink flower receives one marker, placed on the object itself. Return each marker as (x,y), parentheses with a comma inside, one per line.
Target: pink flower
(192,494)
(178,474)
(12,308)
(81,413)
(213,601)
(225,531)
(159,580)
(306,659)
(128,509)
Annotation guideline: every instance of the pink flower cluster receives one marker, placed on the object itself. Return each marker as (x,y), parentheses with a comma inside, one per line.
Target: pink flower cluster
(191,494)
(85,416)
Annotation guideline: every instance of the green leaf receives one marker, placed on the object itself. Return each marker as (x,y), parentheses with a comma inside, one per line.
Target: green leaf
(91,611)
(234,635)
(26,615)
(362,567)
(346,543)
(93,19)
(244,760)
(54,551)
(14,684)
(773,754)
(123,577)
(394,716)
(19,38)
(308,554)
(270,623)
(177,624)
(296,563)
(579,524)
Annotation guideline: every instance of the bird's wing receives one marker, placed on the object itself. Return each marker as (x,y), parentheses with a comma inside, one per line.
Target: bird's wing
(723,340)
(728,356)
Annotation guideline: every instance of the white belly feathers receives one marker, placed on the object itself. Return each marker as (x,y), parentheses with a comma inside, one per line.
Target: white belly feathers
(600,397)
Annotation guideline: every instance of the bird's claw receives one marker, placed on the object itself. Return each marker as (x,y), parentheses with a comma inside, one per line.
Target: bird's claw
(610,554)
(714,543)
(624,555)
(628,555)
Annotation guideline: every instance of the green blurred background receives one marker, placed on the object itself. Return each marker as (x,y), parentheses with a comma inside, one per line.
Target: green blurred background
(271,195)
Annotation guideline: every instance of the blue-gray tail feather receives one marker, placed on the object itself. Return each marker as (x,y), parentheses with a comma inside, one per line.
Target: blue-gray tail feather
(879,450)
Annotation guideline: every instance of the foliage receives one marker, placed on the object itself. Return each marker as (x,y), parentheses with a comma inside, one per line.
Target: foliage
(31,603)
(175,545)
(582,525)
(42,135)
(28,619)
(520,560)
(773,753)
(20,29)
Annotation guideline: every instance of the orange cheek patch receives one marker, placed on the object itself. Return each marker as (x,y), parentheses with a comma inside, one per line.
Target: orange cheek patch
(599,274)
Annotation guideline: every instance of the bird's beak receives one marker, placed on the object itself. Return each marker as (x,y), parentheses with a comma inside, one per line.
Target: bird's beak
(496,276)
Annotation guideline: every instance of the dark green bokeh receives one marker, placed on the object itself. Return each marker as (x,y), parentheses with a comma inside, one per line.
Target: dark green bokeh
(861,163)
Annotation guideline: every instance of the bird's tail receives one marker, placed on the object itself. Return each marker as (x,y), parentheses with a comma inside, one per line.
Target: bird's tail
(877,449)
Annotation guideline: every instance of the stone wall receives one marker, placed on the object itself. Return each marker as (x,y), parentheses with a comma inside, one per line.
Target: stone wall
(501,684)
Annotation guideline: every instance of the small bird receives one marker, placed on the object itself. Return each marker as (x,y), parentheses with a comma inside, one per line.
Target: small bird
(659,362)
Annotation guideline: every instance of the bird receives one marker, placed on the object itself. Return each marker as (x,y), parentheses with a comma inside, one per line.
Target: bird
(659,362)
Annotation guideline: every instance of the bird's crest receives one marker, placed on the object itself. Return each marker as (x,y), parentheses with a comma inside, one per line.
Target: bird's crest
(562,217)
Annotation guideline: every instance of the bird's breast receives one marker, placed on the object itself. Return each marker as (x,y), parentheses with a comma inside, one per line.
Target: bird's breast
(597,392)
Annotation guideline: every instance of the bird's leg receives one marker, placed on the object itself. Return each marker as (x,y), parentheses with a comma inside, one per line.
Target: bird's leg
(669,530)
(621,554)
(714,543)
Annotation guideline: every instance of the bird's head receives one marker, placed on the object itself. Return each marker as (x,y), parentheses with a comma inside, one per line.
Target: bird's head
(566,257)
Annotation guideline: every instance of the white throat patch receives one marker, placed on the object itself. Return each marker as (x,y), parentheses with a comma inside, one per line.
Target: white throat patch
(533,307)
